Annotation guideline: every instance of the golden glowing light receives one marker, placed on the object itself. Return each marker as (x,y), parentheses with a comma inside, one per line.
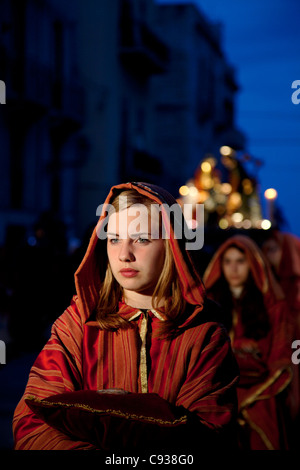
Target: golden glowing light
(234,201)
(202,196)
(193,191)
(226,150)
(237,217)
(270,193)
(247,186)
(247,224)
(266,224)
(212,161)
(223,223)
(207,181)
(184,190)
(226,188)
(209,204)
(205,167)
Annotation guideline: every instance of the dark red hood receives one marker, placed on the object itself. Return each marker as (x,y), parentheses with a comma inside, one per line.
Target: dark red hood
(259,267)
(88,276)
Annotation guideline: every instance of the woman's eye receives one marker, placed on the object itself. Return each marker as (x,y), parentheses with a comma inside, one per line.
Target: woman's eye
(142,240)
(113,241)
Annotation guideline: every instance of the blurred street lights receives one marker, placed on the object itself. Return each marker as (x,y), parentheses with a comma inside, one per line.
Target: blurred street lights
(270,196)
(228,192)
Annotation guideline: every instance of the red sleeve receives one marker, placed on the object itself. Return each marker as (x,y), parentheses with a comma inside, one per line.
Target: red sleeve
(280,351)
(209,390)
(278,359)
(57,369)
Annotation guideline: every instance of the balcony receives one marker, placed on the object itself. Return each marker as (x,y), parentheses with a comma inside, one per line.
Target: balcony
(140,49)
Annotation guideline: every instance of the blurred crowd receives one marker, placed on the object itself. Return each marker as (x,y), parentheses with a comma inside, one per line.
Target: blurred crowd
(257,285)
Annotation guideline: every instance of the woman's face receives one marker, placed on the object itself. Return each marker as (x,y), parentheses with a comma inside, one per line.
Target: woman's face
(273,252)
(135,253)
(235,267)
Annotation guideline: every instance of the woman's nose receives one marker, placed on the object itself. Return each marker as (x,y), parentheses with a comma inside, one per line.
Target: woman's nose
(126,253)
(234,267)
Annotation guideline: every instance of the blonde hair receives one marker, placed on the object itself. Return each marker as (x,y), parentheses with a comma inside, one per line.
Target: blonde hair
(167,291)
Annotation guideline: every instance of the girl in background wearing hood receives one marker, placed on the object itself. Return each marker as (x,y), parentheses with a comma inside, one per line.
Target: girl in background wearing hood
(139,324)
(254,312)
(283,252)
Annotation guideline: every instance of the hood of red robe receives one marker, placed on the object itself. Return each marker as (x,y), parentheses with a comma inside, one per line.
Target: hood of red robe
(259,267)
(89,274)
(290,258)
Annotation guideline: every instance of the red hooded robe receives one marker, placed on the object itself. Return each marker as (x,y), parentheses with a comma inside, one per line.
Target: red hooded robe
(257,397)
(194,369)
(288,275)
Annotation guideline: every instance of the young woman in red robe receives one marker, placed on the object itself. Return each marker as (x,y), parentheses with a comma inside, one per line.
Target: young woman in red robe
(239,278)
(141,325)
(283,252)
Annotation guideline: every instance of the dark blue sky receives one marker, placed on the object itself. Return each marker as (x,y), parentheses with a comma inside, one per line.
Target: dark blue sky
(261,39)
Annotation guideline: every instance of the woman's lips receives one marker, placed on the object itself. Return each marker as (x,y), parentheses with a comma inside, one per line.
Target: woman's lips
(128,272)
(234,279)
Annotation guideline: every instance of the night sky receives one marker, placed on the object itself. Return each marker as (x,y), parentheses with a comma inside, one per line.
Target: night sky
(261,40)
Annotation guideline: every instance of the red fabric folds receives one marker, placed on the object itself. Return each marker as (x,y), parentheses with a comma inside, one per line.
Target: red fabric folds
(113,421)
(288,275)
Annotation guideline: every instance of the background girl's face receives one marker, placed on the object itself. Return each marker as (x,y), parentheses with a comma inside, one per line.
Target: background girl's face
(273,252)
(135,255)
(235,267)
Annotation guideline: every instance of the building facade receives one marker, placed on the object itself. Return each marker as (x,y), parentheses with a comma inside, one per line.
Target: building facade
(41,148)
(102,93)
(194,102)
